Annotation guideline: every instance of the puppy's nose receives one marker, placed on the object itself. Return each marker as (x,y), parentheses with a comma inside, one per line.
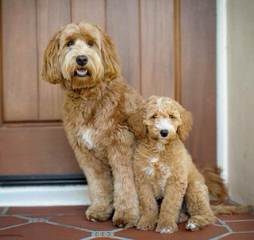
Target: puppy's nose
(81,60)
(164,132)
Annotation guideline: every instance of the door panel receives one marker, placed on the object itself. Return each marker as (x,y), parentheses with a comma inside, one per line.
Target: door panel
(51,15)
(20,78)
(156,47)
(198,83)
(125,13)
(29,149)
(89,10)
(166,47)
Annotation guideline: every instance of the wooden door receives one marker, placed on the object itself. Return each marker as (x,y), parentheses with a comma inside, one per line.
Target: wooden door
(167,47)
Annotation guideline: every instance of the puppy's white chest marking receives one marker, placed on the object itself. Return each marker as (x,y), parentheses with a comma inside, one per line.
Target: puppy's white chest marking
(154,165)
(87,137)
(149,171)
(165,174)
(152,161)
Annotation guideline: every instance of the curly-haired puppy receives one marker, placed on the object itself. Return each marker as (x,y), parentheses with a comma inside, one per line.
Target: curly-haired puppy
(82,59)
(164,169)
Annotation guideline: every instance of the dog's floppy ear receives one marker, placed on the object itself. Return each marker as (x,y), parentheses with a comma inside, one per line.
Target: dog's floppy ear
(136,122)
(51,68)
(184,129)
(111,63)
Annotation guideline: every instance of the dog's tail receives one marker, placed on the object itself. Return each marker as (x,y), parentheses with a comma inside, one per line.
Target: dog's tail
(230,209)
(219,193)
(215,183)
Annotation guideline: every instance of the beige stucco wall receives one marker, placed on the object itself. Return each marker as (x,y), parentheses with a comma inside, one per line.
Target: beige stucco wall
(240,20)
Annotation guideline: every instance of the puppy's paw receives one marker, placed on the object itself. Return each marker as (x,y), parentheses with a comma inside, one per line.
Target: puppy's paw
(99,212)
(199,221)
(166,227)
(125,217)
(146,223)
(192,226)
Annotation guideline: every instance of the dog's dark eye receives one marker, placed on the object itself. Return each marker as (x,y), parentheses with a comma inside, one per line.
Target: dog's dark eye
(70,43)
(90,43)
(154,116)
(171,116)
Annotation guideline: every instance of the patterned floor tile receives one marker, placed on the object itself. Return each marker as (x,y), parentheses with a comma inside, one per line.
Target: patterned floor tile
(69,223)
(7,221)
(243,225)
(43,231)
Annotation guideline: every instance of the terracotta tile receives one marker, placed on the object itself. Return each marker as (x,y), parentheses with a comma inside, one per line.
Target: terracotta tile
(240,236)
(237,216)
(6,221)
(205,233)
(81,221)
(43,231)
(241,226)
(47,211)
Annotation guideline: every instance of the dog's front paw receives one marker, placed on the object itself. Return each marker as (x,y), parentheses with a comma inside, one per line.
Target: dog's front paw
(199,221)
(97,212)
(166,227)
(125,217)
(192,226)
(146,223)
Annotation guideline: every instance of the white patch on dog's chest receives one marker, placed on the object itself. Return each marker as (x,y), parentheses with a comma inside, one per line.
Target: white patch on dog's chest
(87,137)
(158,173)
(165,174)
(149,170)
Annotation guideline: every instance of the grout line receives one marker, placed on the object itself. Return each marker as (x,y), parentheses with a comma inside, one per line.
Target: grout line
(240,220)
(69,226)
(14,226)
(221,236)
(225,225)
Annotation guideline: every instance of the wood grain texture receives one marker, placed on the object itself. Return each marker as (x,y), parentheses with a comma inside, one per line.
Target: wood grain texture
(51,15)
(198,86)
(92,11)
(1,68)
(123,27)
(20,85)
(35,150)
(156,47)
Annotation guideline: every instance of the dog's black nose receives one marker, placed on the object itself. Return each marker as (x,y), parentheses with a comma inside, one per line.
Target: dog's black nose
(164,133)
(81,60)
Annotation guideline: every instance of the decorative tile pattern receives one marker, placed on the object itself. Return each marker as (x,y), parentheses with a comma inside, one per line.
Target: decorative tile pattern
(67,223)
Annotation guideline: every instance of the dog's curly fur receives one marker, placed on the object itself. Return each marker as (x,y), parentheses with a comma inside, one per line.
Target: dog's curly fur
(164,169)
(96,110)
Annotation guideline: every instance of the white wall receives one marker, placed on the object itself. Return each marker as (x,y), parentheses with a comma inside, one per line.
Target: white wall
(240,75)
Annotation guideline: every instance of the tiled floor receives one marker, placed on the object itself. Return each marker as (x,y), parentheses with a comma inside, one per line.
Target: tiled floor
(69,223)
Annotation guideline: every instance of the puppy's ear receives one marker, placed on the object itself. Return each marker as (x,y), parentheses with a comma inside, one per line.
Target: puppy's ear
(111,63)
(51,67)
(184,129)
(136,122)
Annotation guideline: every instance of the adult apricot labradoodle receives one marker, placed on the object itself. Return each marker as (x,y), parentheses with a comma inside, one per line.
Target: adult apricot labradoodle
(82,59)
(164,169)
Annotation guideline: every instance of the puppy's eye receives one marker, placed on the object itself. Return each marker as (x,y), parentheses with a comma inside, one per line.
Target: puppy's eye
(154,116)
(70,43)
(171,116)
(90,43)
